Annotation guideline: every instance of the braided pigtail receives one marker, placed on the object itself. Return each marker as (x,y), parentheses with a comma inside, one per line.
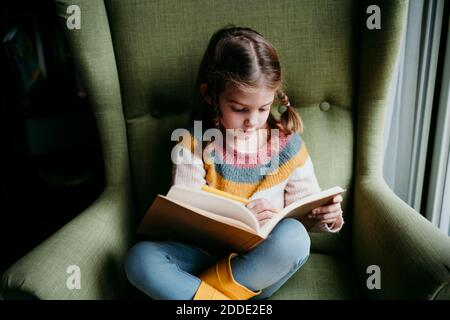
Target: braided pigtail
(290,120)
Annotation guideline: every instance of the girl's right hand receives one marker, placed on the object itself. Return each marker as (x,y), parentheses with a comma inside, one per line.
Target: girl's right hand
(262,209)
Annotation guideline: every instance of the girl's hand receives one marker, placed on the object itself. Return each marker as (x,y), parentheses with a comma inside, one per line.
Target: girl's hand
(262,209)
(329,214)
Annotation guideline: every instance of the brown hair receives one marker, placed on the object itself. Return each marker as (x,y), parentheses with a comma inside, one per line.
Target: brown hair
(241,57)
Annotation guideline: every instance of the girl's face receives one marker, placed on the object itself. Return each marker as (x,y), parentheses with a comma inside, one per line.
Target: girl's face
(245,111)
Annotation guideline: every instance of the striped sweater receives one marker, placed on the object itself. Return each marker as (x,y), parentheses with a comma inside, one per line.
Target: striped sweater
(281,171)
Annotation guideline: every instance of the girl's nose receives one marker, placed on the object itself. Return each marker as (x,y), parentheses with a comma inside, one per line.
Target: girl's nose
(252,120)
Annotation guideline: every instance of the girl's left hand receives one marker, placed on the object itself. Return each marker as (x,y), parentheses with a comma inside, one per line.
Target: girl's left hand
(328,214)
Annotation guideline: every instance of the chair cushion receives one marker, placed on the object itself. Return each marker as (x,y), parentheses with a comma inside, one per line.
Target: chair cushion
(322,277)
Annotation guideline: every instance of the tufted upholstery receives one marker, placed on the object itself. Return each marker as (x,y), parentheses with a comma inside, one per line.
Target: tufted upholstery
(139,60)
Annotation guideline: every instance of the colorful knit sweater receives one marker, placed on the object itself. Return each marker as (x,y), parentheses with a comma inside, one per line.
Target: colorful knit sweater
(281,172)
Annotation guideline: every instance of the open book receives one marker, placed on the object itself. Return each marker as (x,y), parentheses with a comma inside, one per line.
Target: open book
(215,223)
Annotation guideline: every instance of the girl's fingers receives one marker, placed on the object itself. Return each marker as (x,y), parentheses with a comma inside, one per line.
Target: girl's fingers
(326,215)
(332,215)
(264,215)
(327,209)
(260,207)
(337,198)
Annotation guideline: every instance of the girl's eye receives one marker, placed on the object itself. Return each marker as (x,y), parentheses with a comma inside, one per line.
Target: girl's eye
(244,109)
(237,110)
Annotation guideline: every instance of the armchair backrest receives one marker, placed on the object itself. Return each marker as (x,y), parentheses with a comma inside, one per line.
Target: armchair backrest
(139,60)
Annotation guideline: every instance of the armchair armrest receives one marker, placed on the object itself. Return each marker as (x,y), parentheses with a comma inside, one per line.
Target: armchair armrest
(413,255)
(95,241)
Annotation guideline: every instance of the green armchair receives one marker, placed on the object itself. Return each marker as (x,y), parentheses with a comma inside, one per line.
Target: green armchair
(138,60)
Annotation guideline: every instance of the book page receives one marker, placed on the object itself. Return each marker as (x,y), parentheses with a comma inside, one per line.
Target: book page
(314,197)
(211,215)
(301,207)
(215,204)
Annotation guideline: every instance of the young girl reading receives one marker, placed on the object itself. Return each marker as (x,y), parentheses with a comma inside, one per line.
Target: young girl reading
(238,81)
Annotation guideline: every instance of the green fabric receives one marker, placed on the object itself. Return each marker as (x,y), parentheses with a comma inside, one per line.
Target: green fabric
(95,241)
(443,292)
(413,256)
(138,60)
(323,276)
(93,53)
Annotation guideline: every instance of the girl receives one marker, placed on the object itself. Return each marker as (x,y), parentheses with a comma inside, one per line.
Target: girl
(239,78)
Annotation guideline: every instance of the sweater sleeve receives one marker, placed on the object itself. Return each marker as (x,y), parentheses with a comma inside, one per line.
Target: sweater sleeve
(302,183)
(187,169)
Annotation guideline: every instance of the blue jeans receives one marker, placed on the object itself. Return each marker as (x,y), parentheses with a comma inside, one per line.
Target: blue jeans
(168,269)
